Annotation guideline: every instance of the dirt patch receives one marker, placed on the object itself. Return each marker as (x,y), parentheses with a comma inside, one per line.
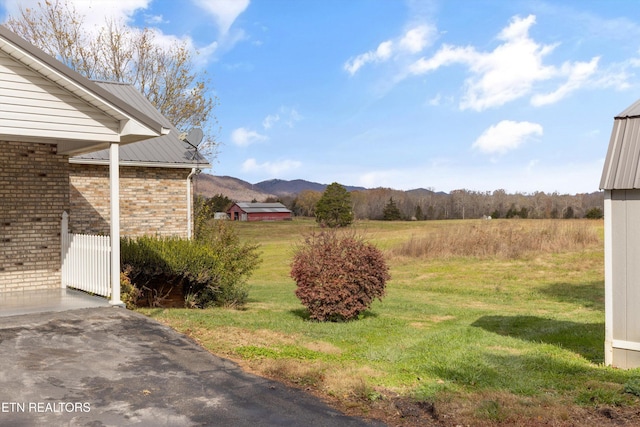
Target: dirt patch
(161,293)
(239,337)
(322,347)
(479,410)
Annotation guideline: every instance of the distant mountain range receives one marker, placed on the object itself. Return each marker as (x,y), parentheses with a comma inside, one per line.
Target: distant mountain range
(289,188)
(233,188)
(243,191)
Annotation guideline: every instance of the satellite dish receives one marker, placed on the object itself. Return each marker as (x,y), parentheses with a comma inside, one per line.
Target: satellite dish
(194,137)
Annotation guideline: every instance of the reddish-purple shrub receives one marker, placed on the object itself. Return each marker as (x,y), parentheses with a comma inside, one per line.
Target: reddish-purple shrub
(338,275)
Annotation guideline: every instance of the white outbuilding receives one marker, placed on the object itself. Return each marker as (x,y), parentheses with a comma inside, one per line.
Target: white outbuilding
(621,184)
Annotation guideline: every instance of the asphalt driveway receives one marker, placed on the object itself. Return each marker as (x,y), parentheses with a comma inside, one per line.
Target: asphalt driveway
(114,367)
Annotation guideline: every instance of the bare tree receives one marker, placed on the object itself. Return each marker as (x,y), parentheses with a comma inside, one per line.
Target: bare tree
(164,74)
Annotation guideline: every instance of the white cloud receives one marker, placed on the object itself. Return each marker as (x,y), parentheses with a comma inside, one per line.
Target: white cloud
(416,39)
(510,71)
(155,19)
(269,121)
(293,117)
(382,53)
(447,55)
(225,12)
(412,41)
(244,137)
(94,11)
(288,115)
(506,135)
(271,168)
(380,178)
(435,101)
(577,75)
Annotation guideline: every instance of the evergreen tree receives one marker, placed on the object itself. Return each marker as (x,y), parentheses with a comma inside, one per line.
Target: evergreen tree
(568,213)
(594,213)
(218,203)
(334,207)
(418,214)
(391,211)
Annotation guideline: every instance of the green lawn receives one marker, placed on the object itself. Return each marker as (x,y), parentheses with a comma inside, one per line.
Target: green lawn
(485,340)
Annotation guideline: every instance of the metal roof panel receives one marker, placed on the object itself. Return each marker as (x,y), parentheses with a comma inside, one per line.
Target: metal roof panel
(263,207)
(166,150)
(621,169)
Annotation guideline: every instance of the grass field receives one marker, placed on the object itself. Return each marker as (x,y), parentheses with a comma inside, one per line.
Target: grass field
(511,337)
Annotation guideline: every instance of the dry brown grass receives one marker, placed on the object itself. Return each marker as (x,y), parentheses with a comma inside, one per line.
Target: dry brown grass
(509,239)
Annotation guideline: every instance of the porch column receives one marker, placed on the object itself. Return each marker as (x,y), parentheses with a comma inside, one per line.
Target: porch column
(114,184)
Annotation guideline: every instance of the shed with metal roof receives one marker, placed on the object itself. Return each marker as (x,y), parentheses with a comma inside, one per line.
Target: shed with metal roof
(242,211)
(621,184)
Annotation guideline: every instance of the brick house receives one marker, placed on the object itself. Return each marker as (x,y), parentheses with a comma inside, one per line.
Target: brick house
(51,120)
(156,188)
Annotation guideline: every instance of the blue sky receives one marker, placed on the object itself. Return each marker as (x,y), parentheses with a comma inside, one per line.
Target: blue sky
(447,94)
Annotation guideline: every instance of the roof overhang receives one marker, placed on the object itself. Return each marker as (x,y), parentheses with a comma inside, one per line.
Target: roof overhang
(200,165)
(134,126)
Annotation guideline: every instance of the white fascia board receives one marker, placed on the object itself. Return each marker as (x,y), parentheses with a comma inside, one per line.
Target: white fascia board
(141,164)
(132,131)
(128,123)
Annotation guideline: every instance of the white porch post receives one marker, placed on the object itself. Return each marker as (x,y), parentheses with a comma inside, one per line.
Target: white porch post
(608,280)
(114,184)
(190,205)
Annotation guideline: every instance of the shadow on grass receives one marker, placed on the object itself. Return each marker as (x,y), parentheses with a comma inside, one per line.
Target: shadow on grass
(522,374)
(303,314)
(590,295)
(585,339)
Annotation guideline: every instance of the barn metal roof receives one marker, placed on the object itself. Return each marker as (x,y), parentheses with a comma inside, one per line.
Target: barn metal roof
(621,166)
(164,151)
(263,207)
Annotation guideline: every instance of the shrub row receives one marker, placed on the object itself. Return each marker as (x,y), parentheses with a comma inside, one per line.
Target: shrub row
(209,271)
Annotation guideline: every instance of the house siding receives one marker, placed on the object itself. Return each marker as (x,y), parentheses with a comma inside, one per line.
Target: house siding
(152,200)
(32,106)
(34,191)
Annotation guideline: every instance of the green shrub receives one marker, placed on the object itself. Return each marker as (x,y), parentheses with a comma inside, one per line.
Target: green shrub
(594,213)
(632,386)
(338,275)
(211,270)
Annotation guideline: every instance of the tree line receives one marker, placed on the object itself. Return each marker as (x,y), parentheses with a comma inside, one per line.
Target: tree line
(389,204)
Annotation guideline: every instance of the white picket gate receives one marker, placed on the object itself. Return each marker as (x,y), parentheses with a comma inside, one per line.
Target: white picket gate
(86,261)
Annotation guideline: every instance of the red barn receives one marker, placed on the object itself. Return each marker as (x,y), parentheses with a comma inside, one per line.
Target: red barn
(259,212)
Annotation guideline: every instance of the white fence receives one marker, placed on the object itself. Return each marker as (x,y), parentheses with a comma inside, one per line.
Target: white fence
(86,261)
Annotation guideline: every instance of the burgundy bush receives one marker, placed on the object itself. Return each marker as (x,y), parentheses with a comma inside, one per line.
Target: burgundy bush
(338,275)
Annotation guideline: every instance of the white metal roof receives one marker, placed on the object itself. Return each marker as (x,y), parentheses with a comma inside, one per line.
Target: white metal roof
(164,151)
(135,126)
(263,207)
(621,167)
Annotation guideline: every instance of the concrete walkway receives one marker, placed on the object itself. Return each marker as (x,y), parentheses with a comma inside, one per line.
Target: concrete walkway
(113,367)
(46,300)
